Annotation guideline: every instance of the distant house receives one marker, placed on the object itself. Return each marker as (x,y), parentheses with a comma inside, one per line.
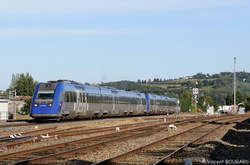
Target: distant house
(187,77)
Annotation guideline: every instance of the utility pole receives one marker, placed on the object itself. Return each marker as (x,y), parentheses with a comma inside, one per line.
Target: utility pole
(235,85)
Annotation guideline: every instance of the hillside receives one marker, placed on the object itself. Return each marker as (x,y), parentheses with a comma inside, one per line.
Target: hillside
(217,86)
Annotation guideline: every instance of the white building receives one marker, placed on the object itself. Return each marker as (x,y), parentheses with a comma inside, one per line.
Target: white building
(4,110)
(210,110)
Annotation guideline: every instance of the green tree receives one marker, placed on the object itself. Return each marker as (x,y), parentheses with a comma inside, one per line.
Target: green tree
(247,103)
(186,101)
(26,108)
(204,101)
(221,82)
(14,79)
(199,84)
(230,98)
(23,84)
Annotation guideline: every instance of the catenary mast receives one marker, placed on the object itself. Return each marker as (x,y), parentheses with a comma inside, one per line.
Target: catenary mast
(235,85)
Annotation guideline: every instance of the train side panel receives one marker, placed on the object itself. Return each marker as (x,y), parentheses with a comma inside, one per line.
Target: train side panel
(81,101)
(161,104)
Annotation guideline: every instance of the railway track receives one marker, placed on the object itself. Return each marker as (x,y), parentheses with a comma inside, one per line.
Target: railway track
(62,133)
(107,137)
(31,122)
(163,151)
(35,135)
(52,152)
(18,123)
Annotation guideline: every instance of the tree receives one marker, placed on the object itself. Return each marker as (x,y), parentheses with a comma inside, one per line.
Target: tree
(14,79)
(26,108)
(23,84)
(204,101)
(205,83)
(199,85)
(247,103)
(230,98)
(221,82)
(186,101)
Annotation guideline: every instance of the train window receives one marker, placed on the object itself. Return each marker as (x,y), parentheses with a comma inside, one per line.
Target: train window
(48,85)
(70,96)
(45,95)
(116,101)
(161,102)
(139,101)
(94,98)
(89,98)
(107,99)
(132,100)
(73,96)
(66,97)
(152,102)
(61,96)
(124,100)
(82,97)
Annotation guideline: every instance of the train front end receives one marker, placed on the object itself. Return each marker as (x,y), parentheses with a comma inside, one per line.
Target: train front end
(46,101)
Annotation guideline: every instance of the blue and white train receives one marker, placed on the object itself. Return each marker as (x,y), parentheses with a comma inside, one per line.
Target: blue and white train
(65,99)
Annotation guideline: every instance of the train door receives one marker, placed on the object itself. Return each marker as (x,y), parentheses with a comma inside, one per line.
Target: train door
(80,105)
(115,103)
(77,103)
(139,105)
(152,103)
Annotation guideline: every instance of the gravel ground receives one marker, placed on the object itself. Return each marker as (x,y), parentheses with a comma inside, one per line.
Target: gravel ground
(45,142)
(231,145)
(119,147)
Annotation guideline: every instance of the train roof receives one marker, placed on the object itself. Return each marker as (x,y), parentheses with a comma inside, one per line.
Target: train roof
(104,90)
(65,81)
(108,90)
(160,97)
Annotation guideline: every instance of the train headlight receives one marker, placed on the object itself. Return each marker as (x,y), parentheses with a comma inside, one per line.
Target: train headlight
(50,105)
(35,105)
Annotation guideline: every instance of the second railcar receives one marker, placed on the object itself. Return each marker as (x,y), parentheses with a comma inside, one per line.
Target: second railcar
(162,104)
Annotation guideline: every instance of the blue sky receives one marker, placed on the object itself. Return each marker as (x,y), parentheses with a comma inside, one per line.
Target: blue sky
(111,40)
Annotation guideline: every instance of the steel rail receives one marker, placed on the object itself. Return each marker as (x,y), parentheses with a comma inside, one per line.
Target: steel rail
(32,132)
(3,156)
(131,136)
(23,139)
(39,159)
(17,125)
(172,155)
(145,147)
(85,140)
(62,133)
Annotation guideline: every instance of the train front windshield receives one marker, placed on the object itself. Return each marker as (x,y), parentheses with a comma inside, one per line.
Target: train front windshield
(45,95)
(46,91)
